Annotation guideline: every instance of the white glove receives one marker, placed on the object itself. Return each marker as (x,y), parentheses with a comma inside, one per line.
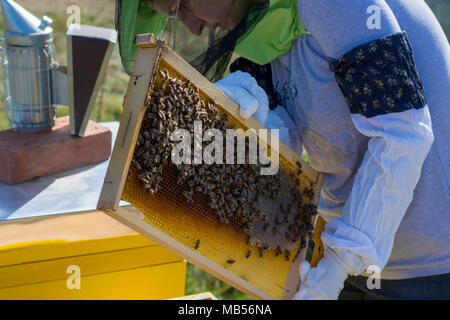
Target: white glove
(323,282)
(243,89)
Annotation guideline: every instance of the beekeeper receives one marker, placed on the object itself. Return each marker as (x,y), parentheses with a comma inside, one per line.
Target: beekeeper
(366,86)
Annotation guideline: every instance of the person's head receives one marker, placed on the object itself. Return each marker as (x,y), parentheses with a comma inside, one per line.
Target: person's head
(198,14)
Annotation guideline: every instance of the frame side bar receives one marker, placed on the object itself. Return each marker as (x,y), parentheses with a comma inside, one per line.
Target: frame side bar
(142,77)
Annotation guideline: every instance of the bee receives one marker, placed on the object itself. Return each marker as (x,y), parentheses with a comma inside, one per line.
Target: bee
(309,193)
(296,255)
(164,85)
(302,244)
(248,253)
(164,74)
(146,134)
(277,251)
(287,255)
(137,78)
(137,165)
(188,195)
(225,117)
(197,244)
(223,220)
(230,261)
(161,115)
(261,251)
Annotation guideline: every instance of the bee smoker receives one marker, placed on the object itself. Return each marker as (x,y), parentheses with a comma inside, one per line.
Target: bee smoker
(34,85)
(30,72)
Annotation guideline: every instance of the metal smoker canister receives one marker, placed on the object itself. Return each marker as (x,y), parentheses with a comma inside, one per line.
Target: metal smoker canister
(28,61)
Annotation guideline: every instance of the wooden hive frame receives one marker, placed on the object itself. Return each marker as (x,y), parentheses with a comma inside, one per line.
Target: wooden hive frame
(277,279)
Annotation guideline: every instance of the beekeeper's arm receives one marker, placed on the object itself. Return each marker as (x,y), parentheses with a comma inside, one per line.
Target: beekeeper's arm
(375,71)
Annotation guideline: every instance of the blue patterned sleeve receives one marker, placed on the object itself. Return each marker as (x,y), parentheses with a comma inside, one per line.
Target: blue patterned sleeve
(380,77)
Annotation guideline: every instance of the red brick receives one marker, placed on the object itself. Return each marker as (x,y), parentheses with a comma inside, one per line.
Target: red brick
(24,156)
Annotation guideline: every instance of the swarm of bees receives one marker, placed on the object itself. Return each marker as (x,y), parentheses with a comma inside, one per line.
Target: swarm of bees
(286,219)
(270,209)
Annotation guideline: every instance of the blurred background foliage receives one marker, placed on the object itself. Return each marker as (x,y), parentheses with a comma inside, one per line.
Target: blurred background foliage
(109,101)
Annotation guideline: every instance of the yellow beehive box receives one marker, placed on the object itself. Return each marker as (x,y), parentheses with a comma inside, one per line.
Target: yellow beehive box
(192,230)
(85,256)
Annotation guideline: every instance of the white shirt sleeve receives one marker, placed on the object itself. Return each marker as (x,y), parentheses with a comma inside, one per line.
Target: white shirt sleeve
(383,188)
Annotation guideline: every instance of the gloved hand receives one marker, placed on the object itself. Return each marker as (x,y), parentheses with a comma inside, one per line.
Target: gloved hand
(243,89)
(323,282)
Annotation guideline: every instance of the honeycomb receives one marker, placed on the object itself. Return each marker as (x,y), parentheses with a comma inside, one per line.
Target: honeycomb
(196,225)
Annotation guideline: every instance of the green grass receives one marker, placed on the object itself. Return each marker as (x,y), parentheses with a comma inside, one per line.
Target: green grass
(198,281)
